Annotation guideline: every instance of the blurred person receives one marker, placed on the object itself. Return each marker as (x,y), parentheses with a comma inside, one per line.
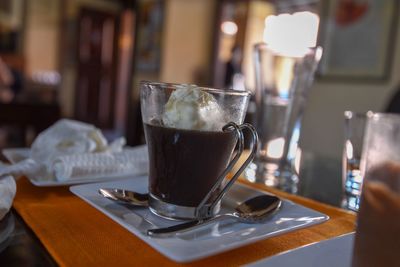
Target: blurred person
(233,71)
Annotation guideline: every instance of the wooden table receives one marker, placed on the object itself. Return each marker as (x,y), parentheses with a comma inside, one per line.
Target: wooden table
(76,234)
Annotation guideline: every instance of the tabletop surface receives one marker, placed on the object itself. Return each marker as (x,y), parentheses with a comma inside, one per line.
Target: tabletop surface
(54,227)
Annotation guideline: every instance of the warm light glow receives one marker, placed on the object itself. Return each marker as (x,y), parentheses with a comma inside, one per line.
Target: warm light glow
(284,74)
(349,149)
(125,41)
(229,27)
(291,34)
(275,148)
(297,161)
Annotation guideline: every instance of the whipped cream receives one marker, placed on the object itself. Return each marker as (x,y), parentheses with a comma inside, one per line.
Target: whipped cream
(191,108)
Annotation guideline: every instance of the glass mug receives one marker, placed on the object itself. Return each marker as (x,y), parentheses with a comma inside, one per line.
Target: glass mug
(191,133)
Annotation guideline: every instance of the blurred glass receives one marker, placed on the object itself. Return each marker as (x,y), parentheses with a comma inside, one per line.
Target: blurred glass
(377,241)
(354,126)
(282,86)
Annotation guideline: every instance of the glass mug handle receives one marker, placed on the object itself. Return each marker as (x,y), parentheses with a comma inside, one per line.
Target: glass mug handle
(203,210)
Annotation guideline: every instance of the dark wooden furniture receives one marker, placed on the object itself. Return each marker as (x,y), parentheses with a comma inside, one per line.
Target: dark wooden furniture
(28,116)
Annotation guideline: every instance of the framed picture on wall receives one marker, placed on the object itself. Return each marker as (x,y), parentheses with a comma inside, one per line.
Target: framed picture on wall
(358,39)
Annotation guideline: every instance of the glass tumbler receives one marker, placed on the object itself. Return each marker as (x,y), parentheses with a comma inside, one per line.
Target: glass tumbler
(283,82)
(377,240)
(354,129)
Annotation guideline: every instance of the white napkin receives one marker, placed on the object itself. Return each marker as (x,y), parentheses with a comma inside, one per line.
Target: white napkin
(69,137)
(8,189)
(72,149)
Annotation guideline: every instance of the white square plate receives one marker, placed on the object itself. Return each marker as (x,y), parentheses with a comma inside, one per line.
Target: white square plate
(15,155)
(208,240)
(328,253)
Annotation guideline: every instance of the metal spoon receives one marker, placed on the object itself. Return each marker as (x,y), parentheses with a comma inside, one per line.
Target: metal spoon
(253,210)
(125,196)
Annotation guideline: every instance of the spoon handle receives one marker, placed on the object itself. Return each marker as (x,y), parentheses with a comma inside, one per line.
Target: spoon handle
(183,227)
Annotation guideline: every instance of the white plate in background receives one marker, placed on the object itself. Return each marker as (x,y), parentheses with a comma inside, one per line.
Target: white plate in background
(15,155)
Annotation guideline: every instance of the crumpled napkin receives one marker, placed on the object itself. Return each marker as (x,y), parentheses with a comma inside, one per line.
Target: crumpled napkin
(8,189)
(71,149)
(69,137)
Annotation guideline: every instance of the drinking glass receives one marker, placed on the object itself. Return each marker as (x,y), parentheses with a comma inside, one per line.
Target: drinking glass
(282,87)
(190,159)
(377,240)
(354,128)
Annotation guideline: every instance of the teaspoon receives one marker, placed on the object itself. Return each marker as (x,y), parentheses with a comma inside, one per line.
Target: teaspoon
(125,196)
(253,210)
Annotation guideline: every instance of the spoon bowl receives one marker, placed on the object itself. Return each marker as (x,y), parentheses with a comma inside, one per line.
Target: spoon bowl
(253,210)
(257,208)
(125,196)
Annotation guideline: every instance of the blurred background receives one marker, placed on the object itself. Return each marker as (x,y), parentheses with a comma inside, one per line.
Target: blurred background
(83,59)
